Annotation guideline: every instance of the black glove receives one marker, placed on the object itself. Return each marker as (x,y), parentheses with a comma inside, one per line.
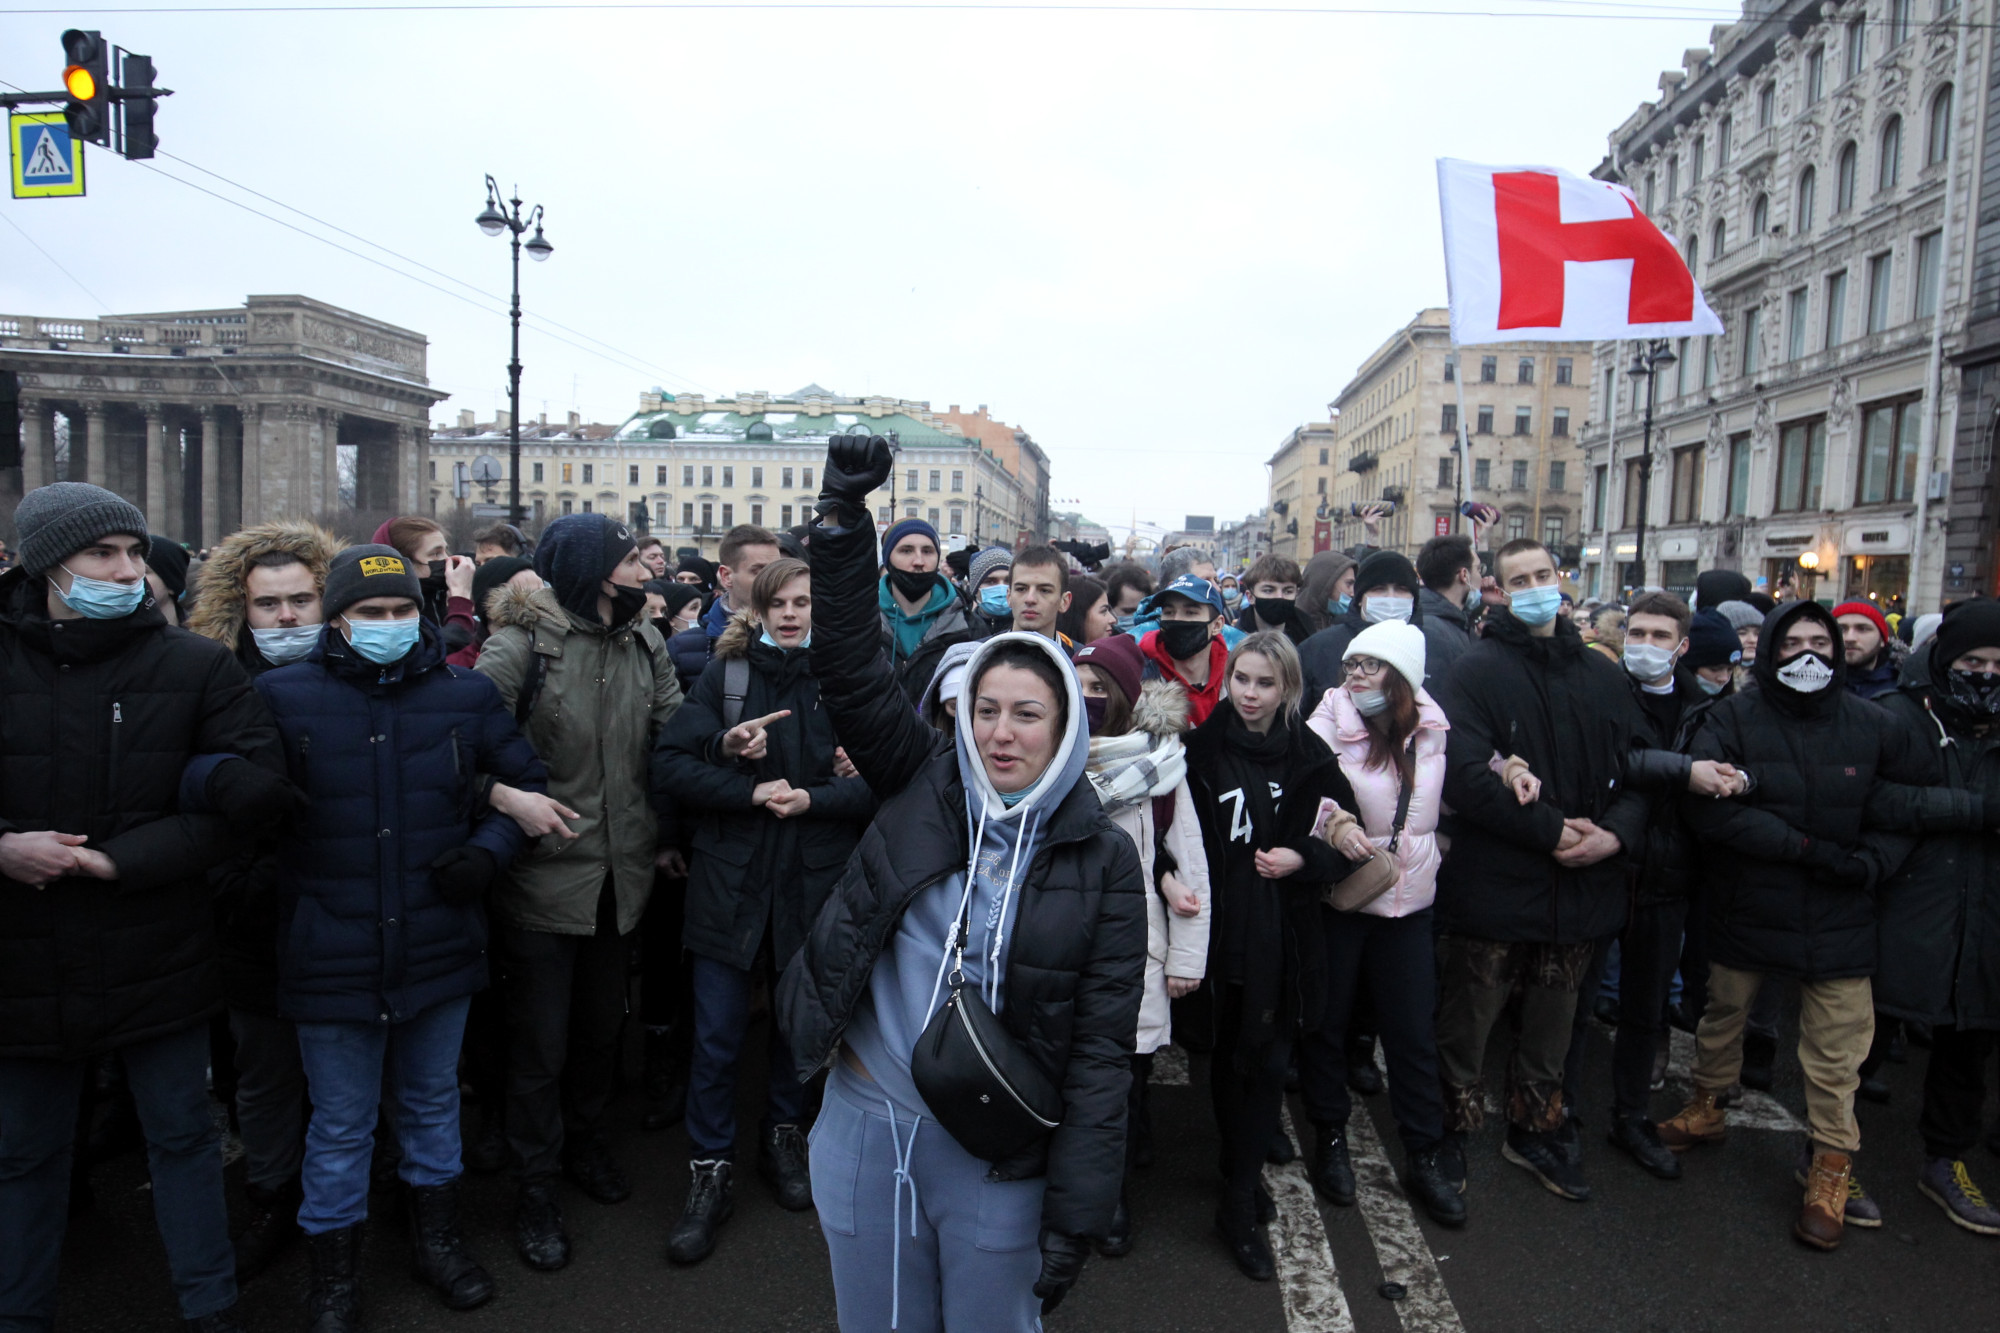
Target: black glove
(1851,873)
(1062,1261)
(464,874)
(856,467)
(249,796)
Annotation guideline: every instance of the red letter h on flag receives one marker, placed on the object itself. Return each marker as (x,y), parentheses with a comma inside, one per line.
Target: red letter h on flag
(1535,242)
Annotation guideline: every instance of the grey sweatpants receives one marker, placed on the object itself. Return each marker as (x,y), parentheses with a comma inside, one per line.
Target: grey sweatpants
(971,1265)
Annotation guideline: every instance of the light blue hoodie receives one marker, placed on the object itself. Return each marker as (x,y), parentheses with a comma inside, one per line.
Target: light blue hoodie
(907,985)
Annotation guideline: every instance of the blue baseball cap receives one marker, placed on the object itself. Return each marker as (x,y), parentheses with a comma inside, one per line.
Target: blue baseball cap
(1192,587)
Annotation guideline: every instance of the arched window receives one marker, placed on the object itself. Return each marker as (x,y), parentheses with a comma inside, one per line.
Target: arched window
(1802,218)
(1694,255)
(1937,139)
(660,429)
(1889,165)
(758,430)
(1760,216)
(1716,239)
(1843,180)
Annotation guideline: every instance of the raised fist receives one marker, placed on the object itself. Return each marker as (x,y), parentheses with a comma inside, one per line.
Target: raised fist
(855,467)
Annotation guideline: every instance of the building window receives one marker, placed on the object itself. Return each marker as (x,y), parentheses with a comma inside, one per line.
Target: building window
(1801,465)
(1599,476)
(1888,453)
(1524,421)
(1558,474)
(1694,255)
(1448,423)
(1648,192)
(687,474)
(1517,527)
(1322,458)
(885,513)
(1694,160)
(1633,473)
(631,474)
(757,478)
(538,472)
(1802,215)
(786,474)
(1760,217)
(1524,371)
(1559,421)
(910,510)
(911,484)
(1937,137)
(569,473)
(1673,178)
(1815,74)
(1482,474)
(1836,308)
(1710,360)
(728,515)
(1889,165)
(589,476)
(660,476)
(958,478)
(1767,105)
(661,511)
(958,520)
(587,507)
(1753,339)
(1857,47)
(728,476)
(707,516)
(569,506)
(932,518)
(806,478)
(937,479)
(1552,530)
(1489,369)
(1723,134)
(1681,368)
(434,469)
(1843,177)
(687,515)
(1485,421)
(785,515)
(1797,308)
(757,515)
(1565,370)
(708,474)
(1450,369)
(1520,475)
(1684,504)
(1899,22)
(1322,485)
(1880,274)
(1444,474)
(1930,248)
(1717,241)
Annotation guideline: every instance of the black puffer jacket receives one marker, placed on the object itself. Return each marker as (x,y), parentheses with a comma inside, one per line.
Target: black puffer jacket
(1940,914)
(1783,896)
(752,870)
(1320,655)
(100,721)
(1669,866)
(1076,955)
(1569,713)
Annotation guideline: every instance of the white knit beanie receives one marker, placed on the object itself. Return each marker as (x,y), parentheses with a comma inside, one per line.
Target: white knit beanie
(1396,642)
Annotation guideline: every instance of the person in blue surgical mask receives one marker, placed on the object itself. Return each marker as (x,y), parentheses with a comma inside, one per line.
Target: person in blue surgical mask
(382,930)
(1385,588)
(1528,890)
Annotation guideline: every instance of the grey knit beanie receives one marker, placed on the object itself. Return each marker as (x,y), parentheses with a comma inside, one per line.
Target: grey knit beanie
(58,520)
(984,562)
(368,571)
(1740,615)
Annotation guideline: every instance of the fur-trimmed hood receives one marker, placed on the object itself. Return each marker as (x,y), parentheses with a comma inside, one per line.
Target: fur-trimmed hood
(218,612)
(737,636)
(524,607)
(1162,709)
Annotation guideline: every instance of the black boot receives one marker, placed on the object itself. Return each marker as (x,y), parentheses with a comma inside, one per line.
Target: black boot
(1759,1054)
(1116,1242)
(222,1321)
(1425,1181)
(590,1167)
(1332,1172)
(333,1302)
(1362,1075)
(1280,1152)
(438,1257)
(1236,1223)
(783,1162)
(665,1082)
(539,1236)
(272,1225)
(708,1206)
(1636,1135)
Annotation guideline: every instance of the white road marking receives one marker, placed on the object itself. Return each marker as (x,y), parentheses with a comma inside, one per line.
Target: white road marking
(1308,1283)
(1757,1110)
(1399,1245)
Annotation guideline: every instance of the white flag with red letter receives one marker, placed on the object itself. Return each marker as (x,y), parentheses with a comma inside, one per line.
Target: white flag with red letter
(1534,254)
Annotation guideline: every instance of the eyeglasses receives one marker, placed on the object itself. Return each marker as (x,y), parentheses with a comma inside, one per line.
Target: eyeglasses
(1361,666)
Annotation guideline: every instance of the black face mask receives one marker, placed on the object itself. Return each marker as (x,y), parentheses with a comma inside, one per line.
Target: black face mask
(1274,610)
(913,586)
(434,580)
(1184,639)
(1976,693)
(1093,711)
(626,603)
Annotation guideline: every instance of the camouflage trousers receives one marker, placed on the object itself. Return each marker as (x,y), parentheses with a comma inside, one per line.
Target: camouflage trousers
(1480,976)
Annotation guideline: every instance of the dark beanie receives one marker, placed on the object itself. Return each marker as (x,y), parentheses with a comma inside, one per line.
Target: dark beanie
(56,521)
(909,527)
(1966,626)
(361,572)
(169,559)
(1713,587)
(494,573)
(677,596)
(1383,568)
(700,568)
(1712,641)
(577,553)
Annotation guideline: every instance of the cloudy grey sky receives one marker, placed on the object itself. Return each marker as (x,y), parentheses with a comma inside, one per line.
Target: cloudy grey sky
(1157,240)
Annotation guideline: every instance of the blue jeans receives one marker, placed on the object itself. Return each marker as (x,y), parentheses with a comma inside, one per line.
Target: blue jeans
(38,1103)
(345,1067)
(721,1015)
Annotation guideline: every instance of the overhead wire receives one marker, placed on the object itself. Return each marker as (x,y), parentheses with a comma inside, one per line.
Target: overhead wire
(53,260)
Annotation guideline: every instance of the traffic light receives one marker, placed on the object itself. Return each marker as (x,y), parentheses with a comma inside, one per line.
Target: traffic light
(135,111)
(86,79)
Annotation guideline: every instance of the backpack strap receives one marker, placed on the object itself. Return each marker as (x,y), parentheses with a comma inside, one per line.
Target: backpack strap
(735,688)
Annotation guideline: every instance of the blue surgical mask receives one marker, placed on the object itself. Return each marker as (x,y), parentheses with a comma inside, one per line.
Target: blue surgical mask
(100,599)
(383,642)
(1536,606)
(1337,606)
(1710,687)
(764,637)
(993,599)
(285,643)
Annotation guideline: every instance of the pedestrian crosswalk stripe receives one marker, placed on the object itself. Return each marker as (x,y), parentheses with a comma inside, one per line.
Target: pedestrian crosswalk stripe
(1392,1226)
(1307,1281)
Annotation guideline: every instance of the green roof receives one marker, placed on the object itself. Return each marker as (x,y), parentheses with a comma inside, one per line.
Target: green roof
(786,425)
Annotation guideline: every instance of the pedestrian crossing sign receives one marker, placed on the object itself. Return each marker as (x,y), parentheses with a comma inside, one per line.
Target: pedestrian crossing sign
(47,161)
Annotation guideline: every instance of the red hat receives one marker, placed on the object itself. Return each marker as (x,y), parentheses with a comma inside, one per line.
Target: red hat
(1862,609)
(1118,657)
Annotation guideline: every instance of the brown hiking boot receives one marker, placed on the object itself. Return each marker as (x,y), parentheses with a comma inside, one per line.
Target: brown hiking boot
(1821,1219)
(1700,1121)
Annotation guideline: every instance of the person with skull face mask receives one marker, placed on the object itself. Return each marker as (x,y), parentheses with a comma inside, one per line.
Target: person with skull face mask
(588,677)
(1789,873)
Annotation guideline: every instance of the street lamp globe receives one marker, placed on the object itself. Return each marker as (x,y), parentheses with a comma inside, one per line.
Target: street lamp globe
(538,247)
(491,220)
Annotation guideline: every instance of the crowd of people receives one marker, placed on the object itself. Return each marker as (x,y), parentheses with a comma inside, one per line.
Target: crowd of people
(340,833)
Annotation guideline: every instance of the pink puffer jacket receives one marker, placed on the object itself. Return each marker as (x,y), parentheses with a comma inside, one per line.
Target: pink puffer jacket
(1338,722)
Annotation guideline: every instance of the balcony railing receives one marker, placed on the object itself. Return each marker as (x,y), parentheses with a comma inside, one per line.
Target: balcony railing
(1365,461)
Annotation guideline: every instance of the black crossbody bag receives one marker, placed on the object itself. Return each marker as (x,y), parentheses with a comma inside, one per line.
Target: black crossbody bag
(979,1083)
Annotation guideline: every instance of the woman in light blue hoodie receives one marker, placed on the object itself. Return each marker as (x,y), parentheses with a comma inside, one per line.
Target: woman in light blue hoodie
(994,820)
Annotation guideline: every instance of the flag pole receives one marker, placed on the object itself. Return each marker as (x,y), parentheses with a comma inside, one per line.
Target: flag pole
(1464,438)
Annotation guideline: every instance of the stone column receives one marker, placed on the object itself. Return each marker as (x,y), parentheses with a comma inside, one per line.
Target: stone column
(157,512)
(409,465)
(211,477)
(96,446)
(328,424)
(35,441)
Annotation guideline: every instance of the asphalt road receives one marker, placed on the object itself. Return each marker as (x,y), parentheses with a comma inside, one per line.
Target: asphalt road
(1712,1251)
